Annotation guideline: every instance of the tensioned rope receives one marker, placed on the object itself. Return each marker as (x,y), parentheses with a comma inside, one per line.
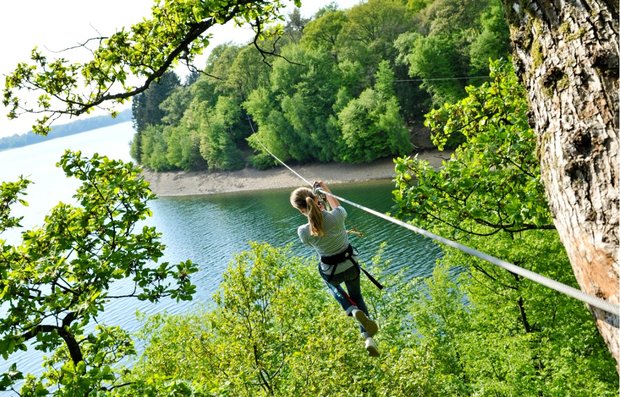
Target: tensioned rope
(547,282)
(443,78)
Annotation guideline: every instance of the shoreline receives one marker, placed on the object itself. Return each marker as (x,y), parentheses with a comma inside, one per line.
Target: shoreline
(194,183)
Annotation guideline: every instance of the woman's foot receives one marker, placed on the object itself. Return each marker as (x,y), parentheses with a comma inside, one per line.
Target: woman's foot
(370,326)
(371,347)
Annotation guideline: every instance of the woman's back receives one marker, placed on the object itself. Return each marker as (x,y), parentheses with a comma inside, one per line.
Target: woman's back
(335,238)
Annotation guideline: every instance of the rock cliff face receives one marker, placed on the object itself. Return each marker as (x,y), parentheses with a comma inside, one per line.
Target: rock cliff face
(566,53)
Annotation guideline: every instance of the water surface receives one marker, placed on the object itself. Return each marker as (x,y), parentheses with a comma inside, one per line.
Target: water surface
(209,230)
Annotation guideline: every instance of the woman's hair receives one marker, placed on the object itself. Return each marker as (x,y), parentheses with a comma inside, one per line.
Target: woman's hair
(304,199)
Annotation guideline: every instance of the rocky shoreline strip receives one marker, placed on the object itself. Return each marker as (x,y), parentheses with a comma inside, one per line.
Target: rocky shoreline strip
(203,182)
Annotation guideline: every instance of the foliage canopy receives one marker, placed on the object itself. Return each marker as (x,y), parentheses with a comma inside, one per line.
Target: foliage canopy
(276,331)
(58,279)
(492,181)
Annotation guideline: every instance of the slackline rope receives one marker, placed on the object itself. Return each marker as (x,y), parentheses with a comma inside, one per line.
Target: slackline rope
(609,307)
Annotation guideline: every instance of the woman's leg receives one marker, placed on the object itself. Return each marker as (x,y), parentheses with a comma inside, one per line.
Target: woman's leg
(352,299)
(367,326)
(353,304)
(352,282)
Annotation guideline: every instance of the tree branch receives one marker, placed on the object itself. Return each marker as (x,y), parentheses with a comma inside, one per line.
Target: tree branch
(265,53)
(102,79)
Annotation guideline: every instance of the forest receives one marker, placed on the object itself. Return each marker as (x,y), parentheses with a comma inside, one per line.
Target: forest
(345,86)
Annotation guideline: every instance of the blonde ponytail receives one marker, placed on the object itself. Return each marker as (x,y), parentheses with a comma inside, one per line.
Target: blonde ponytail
(315,217)
(304,199)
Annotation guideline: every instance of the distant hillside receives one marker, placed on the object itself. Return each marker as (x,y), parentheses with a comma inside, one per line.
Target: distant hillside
(62,130)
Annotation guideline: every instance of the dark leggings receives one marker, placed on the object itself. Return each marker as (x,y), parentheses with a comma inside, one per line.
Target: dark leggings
(351,279)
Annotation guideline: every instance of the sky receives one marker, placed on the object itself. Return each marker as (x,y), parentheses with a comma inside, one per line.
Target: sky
(56,25)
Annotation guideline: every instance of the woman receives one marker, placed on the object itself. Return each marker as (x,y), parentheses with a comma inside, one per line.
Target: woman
(326,233)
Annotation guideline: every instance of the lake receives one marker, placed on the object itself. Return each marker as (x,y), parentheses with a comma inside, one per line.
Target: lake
(209,230)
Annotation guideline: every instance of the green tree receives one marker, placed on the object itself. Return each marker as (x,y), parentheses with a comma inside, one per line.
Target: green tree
(295,25)
(146,109)
(146,106)
(183,148)
(57,280)
(372,126)
(291,113)
(364,35)
(245,73)
(416,6)
(438,62)
(450,16)
(492,183)
(175,104)
(453,43)
(216,72)
(578,153)
(323,32)
(217,135)
(205,124)
(492,42)
(271,122)
(180,142)
(273,331)
(490,332)
(154,149)
(370,30)
(489,195)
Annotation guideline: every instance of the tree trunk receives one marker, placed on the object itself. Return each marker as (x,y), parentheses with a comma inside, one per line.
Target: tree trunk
(566,54)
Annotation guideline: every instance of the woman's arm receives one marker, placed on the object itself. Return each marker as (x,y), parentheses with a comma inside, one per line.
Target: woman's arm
(333,202)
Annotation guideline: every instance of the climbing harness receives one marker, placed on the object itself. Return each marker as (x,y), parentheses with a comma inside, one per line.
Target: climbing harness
(348,254)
